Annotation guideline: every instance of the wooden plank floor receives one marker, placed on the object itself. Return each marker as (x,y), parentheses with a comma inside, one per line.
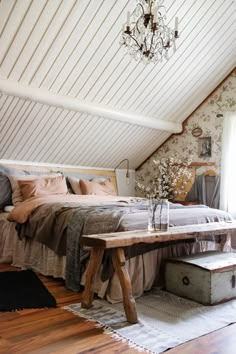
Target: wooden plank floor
(56,331)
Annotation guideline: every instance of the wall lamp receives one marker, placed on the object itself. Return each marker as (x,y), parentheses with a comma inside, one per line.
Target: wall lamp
(127,175)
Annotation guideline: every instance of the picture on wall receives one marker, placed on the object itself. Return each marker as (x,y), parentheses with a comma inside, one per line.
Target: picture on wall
(204,147)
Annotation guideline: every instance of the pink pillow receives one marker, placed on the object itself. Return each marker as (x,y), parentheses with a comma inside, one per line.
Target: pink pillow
(43,186)
(17,196)
(97,188)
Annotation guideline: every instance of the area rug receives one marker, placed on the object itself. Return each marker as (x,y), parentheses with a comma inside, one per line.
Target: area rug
(165,320)
(23,290)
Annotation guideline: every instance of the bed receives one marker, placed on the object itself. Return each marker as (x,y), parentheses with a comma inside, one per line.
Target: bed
(64,218)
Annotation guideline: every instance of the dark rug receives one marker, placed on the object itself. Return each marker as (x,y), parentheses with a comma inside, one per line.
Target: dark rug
(23,290)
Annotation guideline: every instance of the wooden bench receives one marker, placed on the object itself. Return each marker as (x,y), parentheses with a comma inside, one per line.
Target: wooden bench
(118,240)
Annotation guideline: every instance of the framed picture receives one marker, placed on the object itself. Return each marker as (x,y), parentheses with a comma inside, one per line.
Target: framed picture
(204,147)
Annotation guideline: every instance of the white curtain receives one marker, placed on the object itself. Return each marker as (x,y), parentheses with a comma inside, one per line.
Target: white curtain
(228,165)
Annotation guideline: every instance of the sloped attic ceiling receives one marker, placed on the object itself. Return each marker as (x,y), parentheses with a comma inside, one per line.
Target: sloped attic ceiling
(69,51)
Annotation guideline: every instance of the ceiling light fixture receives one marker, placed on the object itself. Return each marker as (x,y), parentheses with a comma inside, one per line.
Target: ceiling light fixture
(145,36)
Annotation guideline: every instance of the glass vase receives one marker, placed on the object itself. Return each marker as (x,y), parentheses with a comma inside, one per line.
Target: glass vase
(158,214)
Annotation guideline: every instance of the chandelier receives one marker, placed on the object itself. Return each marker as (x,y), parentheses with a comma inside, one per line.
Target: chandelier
(145,36)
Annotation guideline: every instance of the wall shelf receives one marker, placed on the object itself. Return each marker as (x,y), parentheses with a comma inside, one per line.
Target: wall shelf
(200,164)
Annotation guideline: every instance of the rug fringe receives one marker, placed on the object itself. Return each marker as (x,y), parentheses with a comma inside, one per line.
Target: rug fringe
(108,330)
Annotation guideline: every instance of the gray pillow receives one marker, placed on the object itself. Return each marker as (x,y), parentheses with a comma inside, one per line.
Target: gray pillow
(5,185)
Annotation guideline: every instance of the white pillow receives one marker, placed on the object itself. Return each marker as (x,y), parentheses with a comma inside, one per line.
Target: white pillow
(8,208)
(17,196)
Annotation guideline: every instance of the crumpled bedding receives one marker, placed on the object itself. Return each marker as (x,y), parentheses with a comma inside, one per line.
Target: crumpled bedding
(22,211)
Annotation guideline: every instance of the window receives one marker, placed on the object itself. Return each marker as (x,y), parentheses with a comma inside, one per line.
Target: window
(228,165)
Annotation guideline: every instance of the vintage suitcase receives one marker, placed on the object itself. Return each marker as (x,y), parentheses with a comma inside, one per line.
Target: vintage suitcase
(208,278)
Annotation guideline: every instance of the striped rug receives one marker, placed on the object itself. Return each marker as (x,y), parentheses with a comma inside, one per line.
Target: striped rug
(165,320)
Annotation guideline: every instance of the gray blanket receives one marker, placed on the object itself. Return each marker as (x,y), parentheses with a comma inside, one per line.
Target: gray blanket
(49,224)
(60,227)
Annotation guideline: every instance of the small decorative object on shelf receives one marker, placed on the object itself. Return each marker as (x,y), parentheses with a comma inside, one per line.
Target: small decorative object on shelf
(196,132)
(158,214)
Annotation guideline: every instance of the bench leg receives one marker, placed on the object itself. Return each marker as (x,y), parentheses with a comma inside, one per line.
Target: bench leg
(118,259)
(94,265)
(224,240)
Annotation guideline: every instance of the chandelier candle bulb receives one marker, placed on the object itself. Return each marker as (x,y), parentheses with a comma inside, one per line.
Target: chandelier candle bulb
(168,34)
(146,9)
(176,24)
(174,46)
(128,18)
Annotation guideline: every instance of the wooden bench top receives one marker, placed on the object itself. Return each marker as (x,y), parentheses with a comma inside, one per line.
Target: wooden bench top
(118,240)
(128,238)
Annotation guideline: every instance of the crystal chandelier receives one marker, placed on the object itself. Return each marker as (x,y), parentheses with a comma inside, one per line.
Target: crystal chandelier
(145,36)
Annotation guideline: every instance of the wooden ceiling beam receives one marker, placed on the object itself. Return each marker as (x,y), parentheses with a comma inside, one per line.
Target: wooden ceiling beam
(65,102)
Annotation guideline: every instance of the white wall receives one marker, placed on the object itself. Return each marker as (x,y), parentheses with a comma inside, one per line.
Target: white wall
(123,188)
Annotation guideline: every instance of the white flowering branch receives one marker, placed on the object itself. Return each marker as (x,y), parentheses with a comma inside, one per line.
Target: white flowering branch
(168,172)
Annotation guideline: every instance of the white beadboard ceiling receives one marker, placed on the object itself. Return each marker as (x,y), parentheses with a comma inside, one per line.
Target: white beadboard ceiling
(70,48)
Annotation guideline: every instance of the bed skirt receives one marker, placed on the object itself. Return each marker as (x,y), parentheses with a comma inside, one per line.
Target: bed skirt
(145,270)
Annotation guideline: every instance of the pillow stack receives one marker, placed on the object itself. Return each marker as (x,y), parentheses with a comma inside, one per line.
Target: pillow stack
(24,187)
(17,185)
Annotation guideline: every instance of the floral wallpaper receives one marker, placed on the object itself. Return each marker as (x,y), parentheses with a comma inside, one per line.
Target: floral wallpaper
(205,117)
